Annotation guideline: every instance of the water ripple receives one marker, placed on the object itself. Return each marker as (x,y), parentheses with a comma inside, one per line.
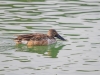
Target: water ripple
(76,20)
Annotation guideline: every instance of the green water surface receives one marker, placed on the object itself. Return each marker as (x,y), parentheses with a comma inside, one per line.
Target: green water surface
(78,21)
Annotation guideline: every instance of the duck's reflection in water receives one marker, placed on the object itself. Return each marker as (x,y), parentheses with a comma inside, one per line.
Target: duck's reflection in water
(50,50)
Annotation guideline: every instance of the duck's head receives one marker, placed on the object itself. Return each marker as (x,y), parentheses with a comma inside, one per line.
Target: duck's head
(53,33)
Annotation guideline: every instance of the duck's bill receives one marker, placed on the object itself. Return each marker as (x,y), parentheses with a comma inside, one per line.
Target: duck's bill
(60,37)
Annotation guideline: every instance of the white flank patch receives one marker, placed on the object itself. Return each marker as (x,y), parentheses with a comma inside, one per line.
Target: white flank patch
(51,41)
(24,42)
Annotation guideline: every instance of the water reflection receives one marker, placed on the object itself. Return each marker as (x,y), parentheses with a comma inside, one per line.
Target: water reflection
(50,50)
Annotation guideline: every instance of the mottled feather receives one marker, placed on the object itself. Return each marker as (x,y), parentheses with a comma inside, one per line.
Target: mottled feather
(38,39)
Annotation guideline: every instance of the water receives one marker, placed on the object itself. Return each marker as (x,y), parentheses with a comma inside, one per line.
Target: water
(76,20)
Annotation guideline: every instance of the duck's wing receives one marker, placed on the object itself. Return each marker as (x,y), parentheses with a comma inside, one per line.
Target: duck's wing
(29,36)
(39,37)
(25,36)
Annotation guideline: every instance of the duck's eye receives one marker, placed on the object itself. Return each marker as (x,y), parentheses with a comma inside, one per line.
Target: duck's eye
(55,33)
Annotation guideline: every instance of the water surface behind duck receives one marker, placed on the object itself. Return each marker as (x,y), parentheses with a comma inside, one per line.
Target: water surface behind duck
(76,20)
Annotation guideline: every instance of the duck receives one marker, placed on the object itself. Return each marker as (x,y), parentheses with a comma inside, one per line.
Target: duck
(39,39)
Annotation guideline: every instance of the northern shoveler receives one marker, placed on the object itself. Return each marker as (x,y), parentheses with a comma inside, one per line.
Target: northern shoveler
(39,39)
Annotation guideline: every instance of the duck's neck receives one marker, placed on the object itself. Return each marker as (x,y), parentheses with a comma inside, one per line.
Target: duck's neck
(50,35)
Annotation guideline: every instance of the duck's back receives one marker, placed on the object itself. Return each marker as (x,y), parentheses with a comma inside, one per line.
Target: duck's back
(36,39)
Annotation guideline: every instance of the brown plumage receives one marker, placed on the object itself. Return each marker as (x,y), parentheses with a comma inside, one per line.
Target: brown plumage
(39,38)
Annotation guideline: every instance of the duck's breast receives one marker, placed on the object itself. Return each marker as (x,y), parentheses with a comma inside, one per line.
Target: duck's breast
(51,41)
